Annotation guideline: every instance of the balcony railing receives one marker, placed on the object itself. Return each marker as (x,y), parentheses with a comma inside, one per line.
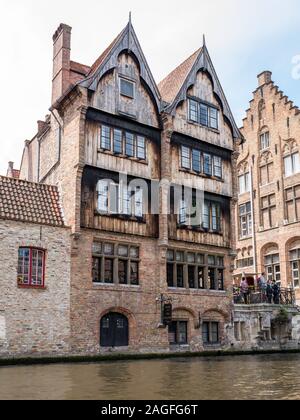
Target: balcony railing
(256,296)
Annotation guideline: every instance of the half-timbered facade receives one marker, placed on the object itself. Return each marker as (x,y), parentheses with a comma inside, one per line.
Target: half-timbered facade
(119,147)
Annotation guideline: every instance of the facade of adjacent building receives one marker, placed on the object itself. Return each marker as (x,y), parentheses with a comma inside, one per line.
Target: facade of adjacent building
(268,211)
(35,255)
(113,144)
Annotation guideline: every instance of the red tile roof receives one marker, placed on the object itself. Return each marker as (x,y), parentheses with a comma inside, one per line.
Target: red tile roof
(29,202)
(105,53)
(79,68)
(171,85)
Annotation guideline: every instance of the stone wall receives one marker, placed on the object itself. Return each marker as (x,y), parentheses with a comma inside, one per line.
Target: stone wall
(34,322)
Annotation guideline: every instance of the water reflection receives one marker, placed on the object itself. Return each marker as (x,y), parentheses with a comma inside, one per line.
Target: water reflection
(247,377)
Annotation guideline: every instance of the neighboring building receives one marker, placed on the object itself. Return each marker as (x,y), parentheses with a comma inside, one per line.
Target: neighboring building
(268,211)
(35,271)
(11,172)
(126,262)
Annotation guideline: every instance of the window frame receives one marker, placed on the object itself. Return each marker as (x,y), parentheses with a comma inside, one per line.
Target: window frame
(30,284)
(209,333)
(116,258)
(264,141)
(203,114)
(129,82)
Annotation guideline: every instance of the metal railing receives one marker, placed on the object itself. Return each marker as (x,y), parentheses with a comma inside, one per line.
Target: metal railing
(257,296)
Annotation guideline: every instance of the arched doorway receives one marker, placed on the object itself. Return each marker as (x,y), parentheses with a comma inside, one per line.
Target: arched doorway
(114,330)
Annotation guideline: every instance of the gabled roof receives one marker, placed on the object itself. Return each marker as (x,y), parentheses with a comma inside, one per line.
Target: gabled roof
(25,201)
(108,60)
(184,76)
(171,85)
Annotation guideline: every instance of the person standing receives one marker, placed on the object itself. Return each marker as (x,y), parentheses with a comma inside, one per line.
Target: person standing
(269,292)
(262,282)
(245,290)
(276,293)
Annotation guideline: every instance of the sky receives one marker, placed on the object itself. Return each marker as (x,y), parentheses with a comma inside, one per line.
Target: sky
(243,39)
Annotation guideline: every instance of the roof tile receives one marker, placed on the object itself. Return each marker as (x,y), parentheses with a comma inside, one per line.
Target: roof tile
(26,201)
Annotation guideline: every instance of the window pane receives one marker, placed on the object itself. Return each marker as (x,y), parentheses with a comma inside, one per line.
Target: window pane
(185,157)
(182,332)
(96,272)
(126,203)
(108,249)
(212,278)
(213,118)
(191,257)
(180,282)
(288,166)
(118,144)
(206,216)
(134,273)
(217,167)
(127,88)
(182,213)
(214,332)
(170,275)
(138,203)
(203,114)
(122,272)
(207,164)
(102,196)
(205,332)
(141,148)
(97,248)
(201,279)
(23,266)
(193,111)
(196,157)
(170,255)
(123,251)
(105,138)
(296,163)
(191,276)
(114,199)
(134,252)
(108,271)
(129,144)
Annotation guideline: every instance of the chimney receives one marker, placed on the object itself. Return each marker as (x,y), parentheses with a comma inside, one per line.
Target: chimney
(264,78)
(42,126)
(10,169)
(61,61)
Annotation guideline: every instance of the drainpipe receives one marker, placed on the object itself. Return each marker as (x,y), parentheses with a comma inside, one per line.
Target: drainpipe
(253,224)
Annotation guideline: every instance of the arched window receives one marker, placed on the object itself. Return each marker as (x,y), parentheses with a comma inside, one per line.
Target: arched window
(114,330)
(272,263)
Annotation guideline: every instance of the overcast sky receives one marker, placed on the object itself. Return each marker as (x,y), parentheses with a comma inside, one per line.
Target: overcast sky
(243,39)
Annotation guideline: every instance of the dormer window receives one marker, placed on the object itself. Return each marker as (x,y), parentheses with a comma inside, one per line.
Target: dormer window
(264,141)
(127,88)
(203,114)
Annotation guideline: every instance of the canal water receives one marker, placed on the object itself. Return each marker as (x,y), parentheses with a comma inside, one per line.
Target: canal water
(245,377)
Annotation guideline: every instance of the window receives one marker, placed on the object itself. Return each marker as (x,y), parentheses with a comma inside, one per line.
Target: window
(115,199)
(105,255)
(244,183)
(185,158)
(295,267)
(264,141)
(129,144)
(105,138)
(203,114)
(123,143)
(188,270)
(191,159)
(213,118)
(207,164)
(193,109)
(127,88)
(118,143)
(178,333)
(217,162)
(272,267)
(267,173)
(245,215)
(292,200)
(141,148)
(210,332)
(292,164)
(215,273)
(196,160)
(183,213)
(268,211)
(212,216)
(245,262)
(31,267)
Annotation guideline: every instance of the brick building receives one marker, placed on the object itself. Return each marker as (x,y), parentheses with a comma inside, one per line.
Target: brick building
(269,183)
(35,270)
(112,136)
